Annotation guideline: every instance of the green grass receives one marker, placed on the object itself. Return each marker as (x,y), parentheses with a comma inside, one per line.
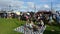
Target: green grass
(7,26)
(55,27)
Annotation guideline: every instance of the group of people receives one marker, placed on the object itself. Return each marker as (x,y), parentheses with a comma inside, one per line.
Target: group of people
(39,19)
(31,25)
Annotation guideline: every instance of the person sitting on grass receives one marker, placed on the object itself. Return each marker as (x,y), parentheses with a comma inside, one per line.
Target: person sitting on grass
(27,23)
(40,23)
(33,26)
(50,20)
(30,25)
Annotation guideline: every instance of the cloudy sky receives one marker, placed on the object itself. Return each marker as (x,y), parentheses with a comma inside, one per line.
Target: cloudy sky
(29,5)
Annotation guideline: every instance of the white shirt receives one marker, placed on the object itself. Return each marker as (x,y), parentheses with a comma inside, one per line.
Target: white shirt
(31,25)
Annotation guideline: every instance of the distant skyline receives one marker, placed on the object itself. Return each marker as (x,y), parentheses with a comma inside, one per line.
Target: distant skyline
(29,5)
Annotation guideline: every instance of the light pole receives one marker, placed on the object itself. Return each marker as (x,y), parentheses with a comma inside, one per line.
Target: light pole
(34,8)
(9,7)
(51,5)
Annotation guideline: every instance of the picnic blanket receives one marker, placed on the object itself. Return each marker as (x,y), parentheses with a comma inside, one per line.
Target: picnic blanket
(22,29)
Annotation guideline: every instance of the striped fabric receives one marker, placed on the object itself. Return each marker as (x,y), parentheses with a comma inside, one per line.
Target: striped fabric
(24,30)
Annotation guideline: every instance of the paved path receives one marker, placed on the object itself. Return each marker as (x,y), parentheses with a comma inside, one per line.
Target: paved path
(27,31)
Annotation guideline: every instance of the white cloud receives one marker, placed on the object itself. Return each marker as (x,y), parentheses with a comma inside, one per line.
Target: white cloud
(30,4)
(58,5)
(17,3)
(39,6)
(12,3)
(47,0)
(46,6)
(23,7)
(42,7)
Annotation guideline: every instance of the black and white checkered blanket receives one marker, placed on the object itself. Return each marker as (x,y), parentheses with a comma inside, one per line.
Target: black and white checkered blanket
(23,30)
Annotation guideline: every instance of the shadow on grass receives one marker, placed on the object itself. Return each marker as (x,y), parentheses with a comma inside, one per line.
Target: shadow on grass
(51,32)
(57,25)
(54,24)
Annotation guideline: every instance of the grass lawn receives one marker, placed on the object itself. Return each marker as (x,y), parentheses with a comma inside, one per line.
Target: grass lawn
(7,26)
